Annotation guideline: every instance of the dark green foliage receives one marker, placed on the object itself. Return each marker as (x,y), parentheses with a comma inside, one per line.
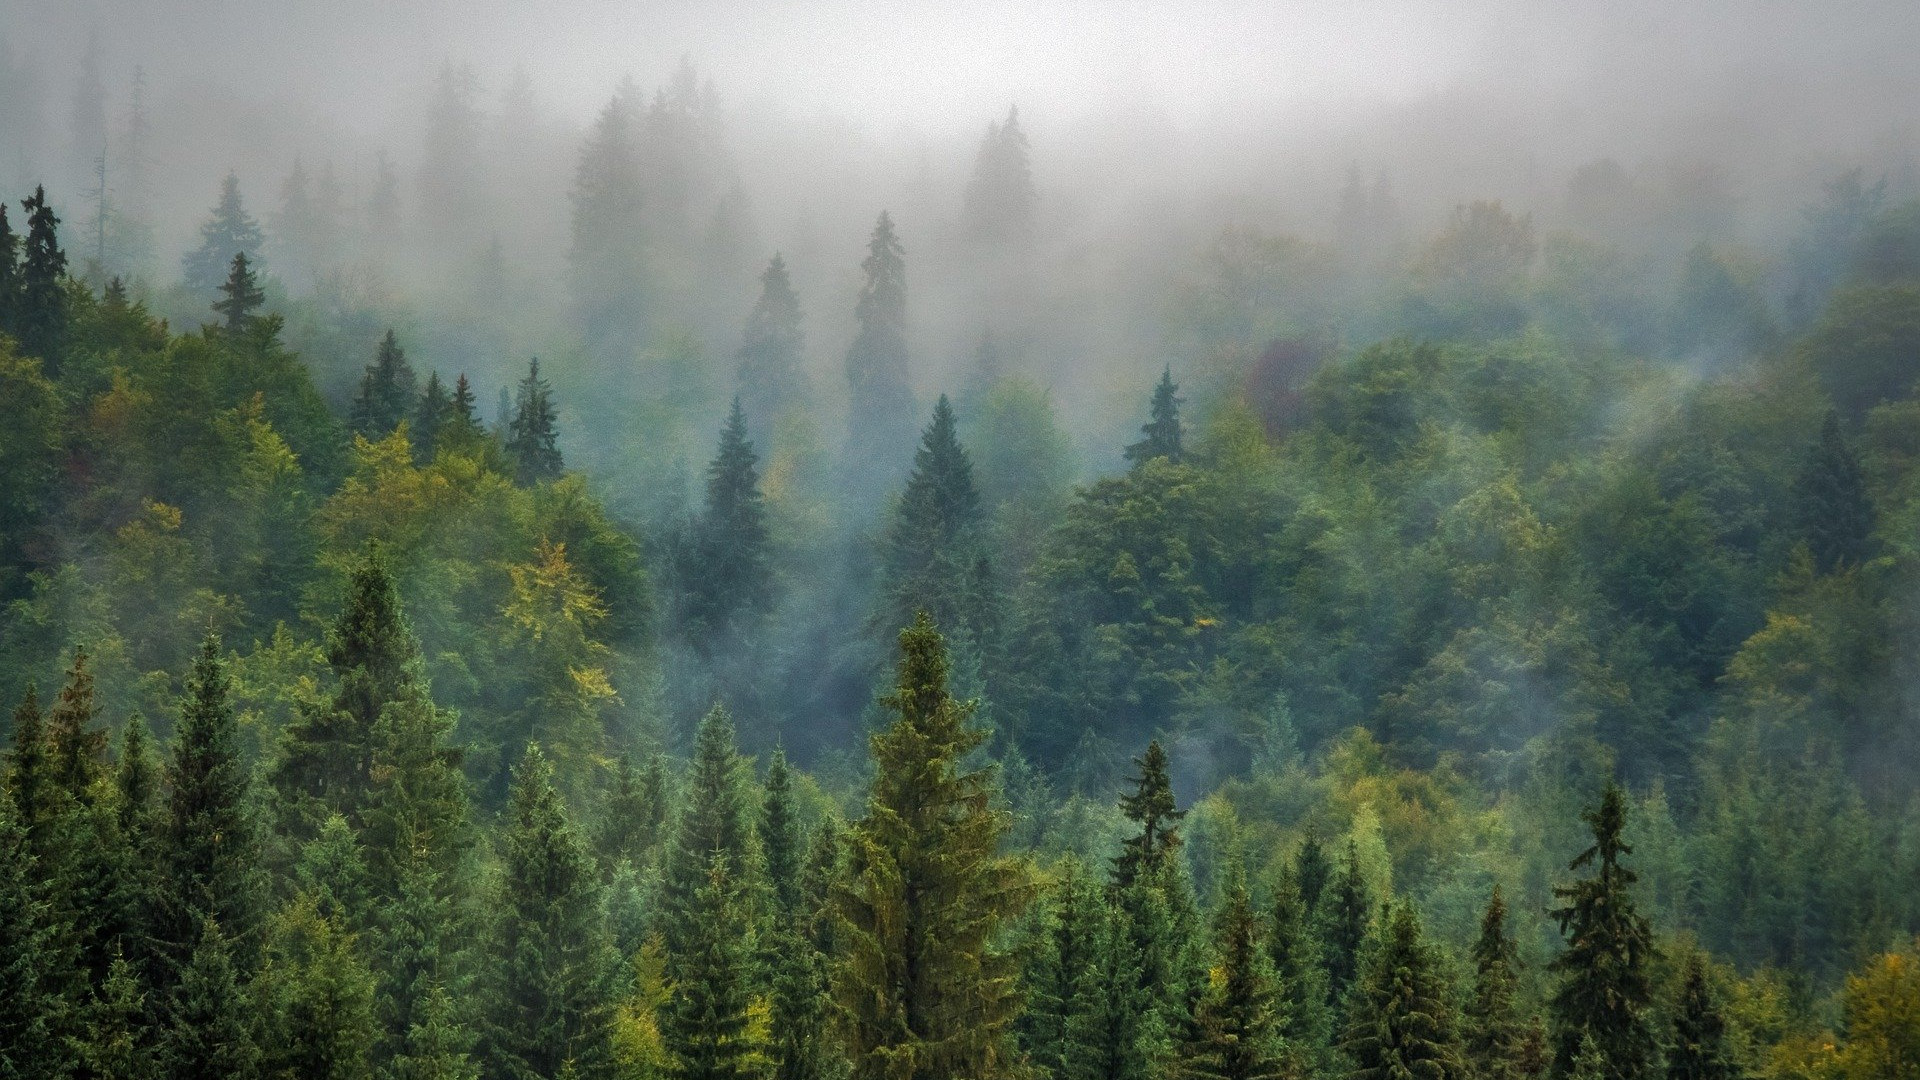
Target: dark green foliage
(934,558)
(332,875)
(1162,431)
(1346,911)
(727,576)
(438,1046)
(532,438)
(1293,954)
(1151,807)
(40,307)
(1126,1034)
(1605,989)
(30,783)
(314,998)
(78,749)
(879,423)
(209,847)
(1059,1026)
(713,821)
(388,391)
(1834,509)
(635,810)
(1235,1033)
(782,847)
(31,1005)
(548,999)
(120,1043)
(212,1020)
(1311,871)
(704,1029)
(1399,1023)
(1492,1023)
(228,232)
(1699,1048)
(240,297)
(417,806)
(771,374)
(430,414)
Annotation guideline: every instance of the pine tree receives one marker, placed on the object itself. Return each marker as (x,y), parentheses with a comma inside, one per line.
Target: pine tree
(30,781)
(1588,1064)
(624,819)
(800,992)
(208,846)
(772,377)
(607,262)
(1311,871)
(548,1004)
(1000,197)
(430,414)
(727,579)
(120,1045)
(1058,1027)
(1299,980)
(1151,807)
(782,848)
(40,312)
(1235,1033)
(924,990)
(230,231)
(314,998)
(140,881)
(1399,1023)
(240,297)
(419,953)
(31,1004)
(1163,430)
(713,822)
(1493,1032)
(1835,510)
(212,1028)
(1605,988)
(934,553)
(704,1030)
(1150,887)
(78,749)
(880,420)
(438,1046)
(1699,1047)
(532,435)
(417,803)
(331,873)
(1124,1034)
(388,390)
(1343,927)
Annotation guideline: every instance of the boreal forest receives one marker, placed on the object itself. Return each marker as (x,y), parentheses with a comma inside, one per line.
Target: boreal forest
(1046,542)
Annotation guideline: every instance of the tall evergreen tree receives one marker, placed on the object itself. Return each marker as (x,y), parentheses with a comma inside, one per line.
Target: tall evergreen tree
(40,312)
(1835,511)
(704,1030)
(30,782)
(607,262)
(313,998)
(925,991)
(228,232)
(438,1046)
(78,748)
(121,1043)
(1399,1023)
(212,1021)
(140,881)
(548,1003)
(934,557)
(1125,1035)
(797,985)
(1059,1027)
(782,848)
(1235,1033)
(1605,987)
(1699,1047)
(1493,1031)
(1347,909)
(31,1004)
(1299,980)
(388,390)
(1311,871)
(771,373)
(1151,807)
(728,578)
(880,420)
(416,807)
(240,297)
(1162,431)
(1000,197)
(713,821)
(533,433)
(9,274)
(621,835)
(431,413)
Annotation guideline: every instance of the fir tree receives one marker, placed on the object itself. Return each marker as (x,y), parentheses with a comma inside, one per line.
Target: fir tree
(240,297)
(801,995)
(1311,871)
(771,375)
(78,749)
(1699,1047)
(1151,807)
(419,954)
(30,782)
(1235,1032)
(1000,197)
(532,435)
(212,1028)
(880,421)
(463,412)
(1058,1027)
(713,822)
(782,848)
(728,577)
(438,1046)
(120,1045)
(430,414)
(1124,1035)
(704,1030)
(1399,1023)
(548,1005)
(1834,508)
(208,845)
(607,262)
(1605,988)
(925,991)
(230,231)
(9,275)
(623,821)
(934,554)
(141,884)
(332,875)
(1299,980)
(388,390)
(40,311)
(314,998)
(1493,1032)
(1343,926)
(1163,430)
(31,1004)
(416,806)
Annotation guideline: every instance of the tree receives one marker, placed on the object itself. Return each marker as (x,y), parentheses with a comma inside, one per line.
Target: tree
(228,232)
(705,1026)
(548,1003)
(1000,197)
(1835,512)
(1151,807)
(1299,980)
(1057,1027)
(797,982)
(1343,927)
(1162,431)
(438,1046)
(782,848)
(1699,1047)
(430,414)
(1399,1023)
(30,782)
(1493,1031)
(212,1030)
(713,821)
(880,419)
(240,297)
(1311,871)
(533,435)
(728,579)
(121,1045)
(40,305)
(924,990)
(1882,1002)
(388,390)
(314,998)
(1235,1034)
(934,555)
(30,999)
(607,262)
(1605,988)
(9,274)
(771,375)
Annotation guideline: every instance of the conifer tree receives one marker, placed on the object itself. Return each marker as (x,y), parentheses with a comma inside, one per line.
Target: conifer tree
(78,749)
(1834,509)
(1162,431)
(1058,1028)
(607,262)
(463,411)
(314,997)
(419,953)
(30,782)
(430,414)
(140,882)
(704,1030)
(623,821)
(799,991)
(212,1021)
(1299,980)
(240,297)
(9,274)
(388,391)
(548,1002)
(1235,1034)
(1605,988)
(1000,197)
(713,821)
(417,804)
(1124,1034)
(1151,807)
(208,846)
(1699,1047)
(228,232)
(1343,927)
(1399,1023)
(1311,871)
(880,421)
(40,305)
(728,577)
(1493,1032)
(934,556)
(924,990)
(120,1043)
(30,1000)
(782,848)
(532,435)
(438,1046)
(770,374)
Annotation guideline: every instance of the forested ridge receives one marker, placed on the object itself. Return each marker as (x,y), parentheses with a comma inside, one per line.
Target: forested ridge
(1493,658)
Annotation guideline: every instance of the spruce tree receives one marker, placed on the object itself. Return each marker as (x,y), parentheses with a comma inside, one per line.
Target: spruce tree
(31,1004)
(314,998)
(533,435)
(228,232)
(140,881)
(782,848)
(880,420)
(1834,509)
(438,1047)
(1343,922)
(240,297)
(933,546)
(1124,1033)
(728,578)
(388,391)
(1605,988)
(713,821)
(1299,980)
(771,374)
(623,820)
(121,1042)
(1162,431)
(420,952)
(1399,1023)
(924,990)
(1311,871)
(331,873)
(799,991)
(704,1030)
(1151,807)
(1000,197)
(1699,1047)
(211,1032)
(1235,1034)
(31,786)
(78,749)
(430,414)
(40,313)
(9,274)
(550,993)
(417,803)
(1493,1031)
(1058,1028)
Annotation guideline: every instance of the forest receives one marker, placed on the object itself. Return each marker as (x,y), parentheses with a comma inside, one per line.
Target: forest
(1434,637)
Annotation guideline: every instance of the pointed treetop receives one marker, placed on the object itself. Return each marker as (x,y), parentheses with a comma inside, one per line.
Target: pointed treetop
(240,296)
(1163,431)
